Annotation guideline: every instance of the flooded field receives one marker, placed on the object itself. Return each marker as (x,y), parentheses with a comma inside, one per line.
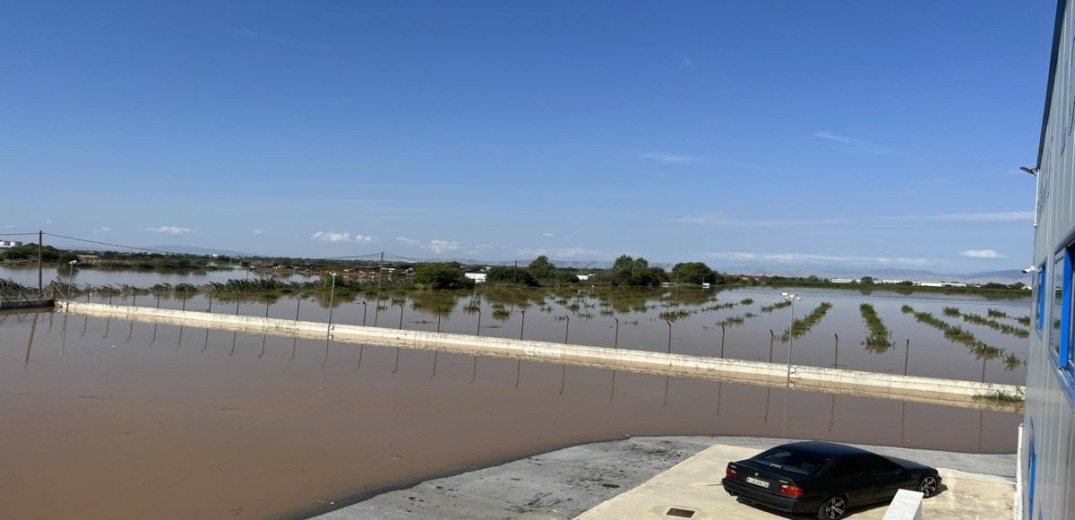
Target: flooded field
(118,419)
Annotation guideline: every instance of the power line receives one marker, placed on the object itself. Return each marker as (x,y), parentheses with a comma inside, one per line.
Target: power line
(16,234)
(112,245)
(350,257)
(371,256)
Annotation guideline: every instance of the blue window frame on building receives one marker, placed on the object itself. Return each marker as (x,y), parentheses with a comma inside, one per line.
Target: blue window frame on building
(1039,317)
(1060,337)
(1055,288)
(1032,473)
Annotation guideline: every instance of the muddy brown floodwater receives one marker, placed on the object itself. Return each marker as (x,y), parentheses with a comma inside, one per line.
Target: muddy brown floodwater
(117,419)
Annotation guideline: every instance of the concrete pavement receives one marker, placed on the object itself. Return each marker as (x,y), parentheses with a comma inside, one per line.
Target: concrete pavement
(693,488)
(642,477)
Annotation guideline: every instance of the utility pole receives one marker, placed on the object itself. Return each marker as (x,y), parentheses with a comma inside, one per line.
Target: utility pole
(380,273)
(40,244)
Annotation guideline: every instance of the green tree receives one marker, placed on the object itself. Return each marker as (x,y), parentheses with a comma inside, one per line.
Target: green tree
(510,275)
(562,276)
(441,276)
(867,280)
(29,252)
(693,273)
(635,272)
(541,268)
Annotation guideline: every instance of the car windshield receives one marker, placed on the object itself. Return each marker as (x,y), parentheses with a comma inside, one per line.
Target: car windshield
(791,461)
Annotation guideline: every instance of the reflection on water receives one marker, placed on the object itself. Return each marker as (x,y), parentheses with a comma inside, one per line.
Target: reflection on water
(694,317)
(274,426)
(27,275)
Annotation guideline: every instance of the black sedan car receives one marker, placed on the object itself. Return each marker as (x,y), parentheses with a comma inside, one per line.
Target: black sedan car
(824,478)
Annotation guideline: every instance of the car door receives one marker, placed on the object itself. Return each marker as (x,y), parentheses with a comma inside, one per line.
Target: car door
(886,476)
(847,476)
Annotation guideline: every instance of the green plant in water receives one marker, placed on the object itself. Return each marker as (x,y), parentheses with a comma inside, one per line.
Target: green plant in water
(1002,397)
(1012,362)
(673,315)
(801,326)
(878,339)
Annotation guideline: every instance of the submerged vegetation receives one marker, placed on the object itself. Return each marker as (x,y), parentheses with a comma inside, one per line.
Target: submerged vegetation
(1002,397)
(957,334)
(878,340)
(801,326)
(629,286)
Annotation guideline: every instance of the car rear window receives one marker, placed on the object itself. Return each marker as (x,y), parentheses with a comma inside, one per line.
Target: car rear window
(791,461)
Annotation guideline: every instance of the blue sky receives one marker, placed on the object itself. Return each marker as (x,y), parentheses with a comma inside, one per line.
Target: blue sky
(772,134)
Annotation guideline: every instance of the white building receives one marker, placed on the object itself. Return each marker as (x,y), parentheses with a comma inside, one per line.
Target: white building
(8,244)
(1047,448)
(477,277)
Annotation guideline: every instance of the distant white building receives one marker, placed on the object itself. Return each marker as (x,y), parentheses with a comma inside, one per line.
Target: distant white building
(842,280)
(8,244)
(477,277)
(940,284)
(583,277)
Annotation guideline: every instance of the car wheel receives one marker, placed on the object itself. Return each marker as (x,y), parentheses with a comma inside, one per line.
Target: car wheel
(832,508)
(929,485)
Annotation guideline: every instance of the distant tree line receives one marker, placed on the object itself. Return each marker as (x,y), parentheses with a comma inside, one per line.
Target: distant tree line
(28,252)
(625,271)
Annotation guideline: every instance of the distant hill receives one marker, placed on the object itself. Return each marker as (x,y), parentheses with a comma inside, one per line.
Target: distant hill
(1007,276)
(200,251)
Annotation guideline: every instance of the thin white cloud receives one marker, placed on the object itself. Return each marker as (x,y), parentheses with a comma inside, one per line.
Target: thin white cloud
(686,62)
(720,220)
(808,258)
(669,158)
(257,231)
(977,217)
(170,230)
(259,36)
(825,134)
(443,246)
(852,145)
(547,234)
(981,253)
(101,230)
(560,253)
(436,246)
(329,236)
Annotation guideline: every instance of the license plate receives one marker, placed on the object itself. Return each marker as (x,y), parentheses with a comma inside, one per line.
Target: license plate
(757,482)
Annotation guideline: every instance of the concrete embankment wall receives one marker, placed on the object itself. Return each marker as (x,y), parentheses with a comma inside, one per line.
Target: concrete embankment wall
(819,379)
(27,304)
